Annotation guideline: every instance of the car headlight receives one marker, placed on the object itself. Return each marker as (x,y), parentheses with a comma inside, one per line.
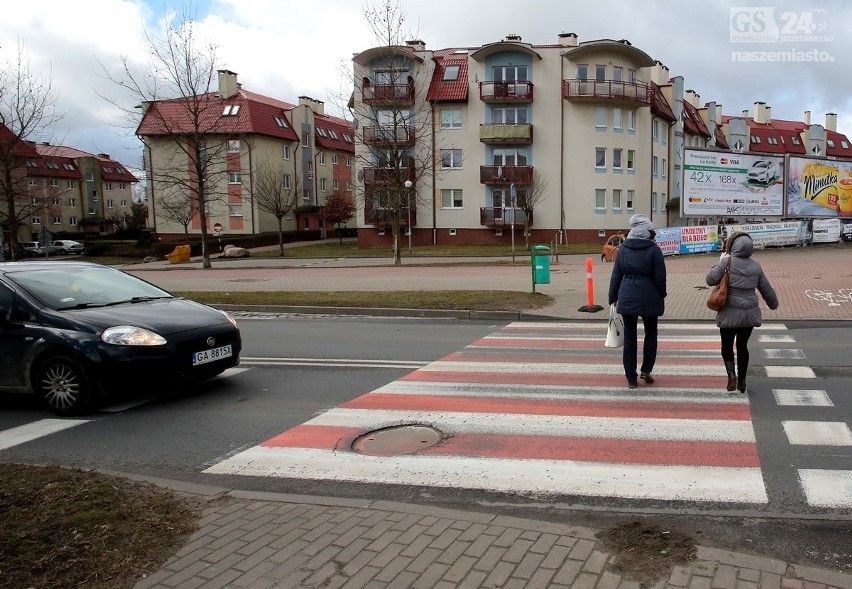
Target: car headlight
(229,318)
(128,335)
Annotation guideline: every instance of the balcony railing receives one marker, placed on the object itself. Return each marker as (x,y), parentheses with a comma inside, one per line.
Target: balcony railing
(505,174)
(385,135)
(502,217)
(386,176)
(381,217)
(378,94)
(519,91)
(501,134)
(614,90)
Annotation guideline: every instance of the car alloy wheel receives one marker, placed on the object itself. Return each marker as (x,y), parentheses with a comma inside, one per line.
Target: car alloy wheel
(63,385)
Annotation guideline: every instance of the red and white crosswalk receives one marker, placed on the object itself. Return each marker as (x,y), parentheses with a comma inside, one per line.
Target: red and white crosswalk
(543,408)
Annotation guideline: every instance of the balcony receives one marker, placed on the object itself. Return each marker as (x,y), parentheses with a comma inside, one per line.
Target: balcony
(387,177)
(496,175)
(606,90)
(520,92)
(388,94)
(389,135)
(502,134)
(380,217)
(502,217)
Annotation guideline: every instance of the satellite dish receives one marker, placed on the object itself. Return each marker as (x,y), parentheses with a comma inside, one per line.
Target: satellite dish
(355,123)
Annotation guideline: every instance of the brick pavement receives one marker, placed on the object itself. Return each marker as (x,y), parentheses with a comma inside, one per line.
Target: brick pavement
(261,540)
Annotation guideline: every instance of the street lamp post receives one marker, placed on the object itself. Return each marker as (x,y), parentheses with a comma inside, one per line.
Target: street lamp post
(408,185)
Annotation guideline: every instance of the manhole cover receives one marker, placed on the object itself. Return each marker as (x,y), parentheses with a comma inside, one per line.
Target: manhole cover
(399,439)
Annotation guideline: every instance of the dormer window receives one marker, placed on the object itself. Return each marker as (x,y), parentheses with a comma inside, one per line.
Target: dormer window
(107,170)
(347,138)
(451,73)
(32,164)
(321,132)
(795,140)
(69,167)
(830,143)
(333,134)
(281,122)
(231,110)
(771,141)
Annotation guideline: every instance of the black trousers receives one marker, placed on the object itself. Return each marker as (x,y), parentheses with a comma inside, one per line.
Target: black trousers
(649,346)
(729,335)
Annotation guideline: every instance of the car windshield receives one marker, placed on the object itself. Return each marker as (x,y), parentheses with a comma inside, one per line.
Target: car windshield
(77,287)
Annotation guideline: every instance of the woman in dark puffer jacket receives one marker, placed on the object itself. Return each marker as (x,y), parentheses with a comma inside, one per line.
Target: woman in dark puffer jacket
(742,311)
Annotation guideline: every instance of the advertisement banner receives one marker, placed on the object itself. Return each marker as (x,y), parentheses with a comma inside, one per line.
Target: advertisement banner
(819,187)
(702,238)
(770,234)
(826,230)
(730,184)
(668,240)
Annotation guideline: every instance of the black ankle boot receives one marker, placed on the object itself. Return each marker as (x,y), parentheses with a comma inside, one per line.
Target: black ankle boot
(741,383)
(732,375)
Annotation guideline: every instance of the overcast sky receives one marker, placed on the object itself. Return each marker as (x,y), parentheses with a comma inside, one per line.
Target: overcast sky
(289,48)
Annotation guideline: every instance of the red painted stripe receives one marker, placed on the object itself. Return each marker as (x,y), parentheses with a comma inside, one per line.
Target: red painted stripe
(607,380)
(587,344)
(521,447)
(602,359)
(616,408)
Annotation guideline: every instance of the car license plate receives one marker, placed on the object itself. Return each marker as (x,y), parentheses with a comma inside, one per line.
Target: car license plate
(212,355)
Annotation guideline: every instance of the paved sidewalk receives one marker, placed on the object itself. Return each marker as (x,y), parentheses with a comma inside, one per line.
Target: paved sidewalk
(260,540)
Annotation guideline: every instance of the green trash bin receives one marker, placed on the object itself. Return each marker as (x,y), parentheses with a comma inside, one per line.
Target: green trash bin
(541,264)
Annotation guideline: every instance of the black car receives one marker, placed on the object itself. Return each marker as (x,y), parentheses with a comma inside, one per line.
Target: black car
(73,332)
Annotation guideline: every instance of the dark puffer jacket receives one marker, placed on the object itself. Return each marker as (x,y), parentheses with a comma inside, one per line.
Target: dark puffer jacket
(638,279)
(743,307)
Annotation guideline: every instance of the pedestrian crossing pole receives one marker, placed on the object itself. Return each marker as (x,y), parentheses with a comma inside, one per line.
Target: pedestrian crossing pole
(590,306)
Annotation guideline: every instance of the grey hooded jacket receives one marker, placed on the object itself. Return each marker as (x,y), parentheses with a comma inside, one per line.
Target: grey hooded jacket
(743,307)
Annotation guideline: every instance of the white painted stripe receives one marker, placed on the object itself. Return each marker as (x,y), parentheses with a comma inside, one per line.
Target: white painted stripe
(827,488)
(233,372)
(552,391)
(37,429)
(497,367)
(787,372)
(620,428)
(591,338)
(663,326)
(804,397)
(776,339)
(783,354)
(711,484)
(817,433)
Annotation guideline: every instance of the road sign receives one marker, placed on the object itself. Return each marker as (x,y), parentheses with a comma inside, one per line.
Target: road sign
(217,227)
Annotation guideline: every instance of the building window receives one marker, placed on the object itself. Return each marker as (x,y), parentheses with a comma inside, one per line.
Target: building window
(322,185)
(91,210)
(616,158)
(600,199)
(322,158)
(69,167)
(451,118)
(631,120)
(451,158)
(349,187)
(335,185)
(54,182)
(235,210)
(451,73)
(348,161)
(795,140)
(631,159)
(772,141)
(36,220)
(71,184)
(755,139)
(600,73)
(653,201)
(72,202)
(306,139)
(32,164)
(107,185)
(616,199)
(662,202)
(663,169)
(281,122)
(123,203)
(334,159)
(655,166)
(600,157)
(617,73)
(122,186)
(285,152)
(285,182)
(90,175)
(231,110)
(583,71)
(616,119)
(33,181)
(509,116)
(57,220)
(830,142)
(72,221)
(57,201)
(234,178)
(110,203)
(631,198)
(600,117)
(233,145)
(451,198)
(655,130)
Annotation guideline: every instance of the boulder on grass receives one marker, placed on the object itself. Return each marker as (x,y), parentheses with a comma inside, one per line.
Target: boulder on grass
(232,251)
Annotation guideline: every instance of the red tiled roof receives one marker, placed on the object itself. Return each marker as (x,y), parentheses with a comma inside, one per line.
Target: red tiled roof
(256,114)
(20,148)
(659,104)
(838,139)
(111,170)
(441,90)
(721,140)
(341,128)
(692,121)
(785,133)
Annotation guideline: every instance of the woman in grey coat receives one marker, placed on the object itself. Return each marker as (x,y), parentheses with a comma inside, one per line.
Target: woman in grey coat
(742,311)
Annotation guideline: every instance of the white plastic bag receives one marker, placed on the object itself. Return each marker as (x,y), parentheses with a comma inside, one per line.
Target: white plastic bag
(614,330)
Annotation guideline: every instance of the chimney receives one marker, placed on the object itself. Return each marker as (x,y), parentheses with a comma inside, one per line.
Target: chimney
(416,44)
(745,114)
(768,114)
(568,39)
(659,74)
(514,38)
(831,121)
(807,120)
(692,98)
(104,156)
(315,105)
(228,85)
(760,112)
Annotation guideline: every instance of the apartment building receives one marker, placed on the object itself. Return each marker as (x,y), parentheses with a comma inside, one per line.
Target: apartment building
(579,136)
(253,145)
(75,192)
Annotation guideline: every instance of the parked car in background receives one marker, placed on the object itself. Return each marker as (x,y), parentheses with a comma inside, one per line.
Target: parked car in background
(73,332)
(33,249)
(610,248)
(67,246)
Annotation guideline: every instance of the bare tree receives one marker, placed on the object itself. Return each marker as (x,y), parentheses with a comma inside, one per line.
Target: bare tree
(338,209)
(177,208)
(181,118)
(531,196)
(26,113)
(394,124)
(277,191)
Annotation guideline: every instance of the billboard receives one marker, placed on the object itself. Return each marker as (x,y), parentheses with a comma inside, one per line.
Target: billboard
(819,187)
(725,184)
